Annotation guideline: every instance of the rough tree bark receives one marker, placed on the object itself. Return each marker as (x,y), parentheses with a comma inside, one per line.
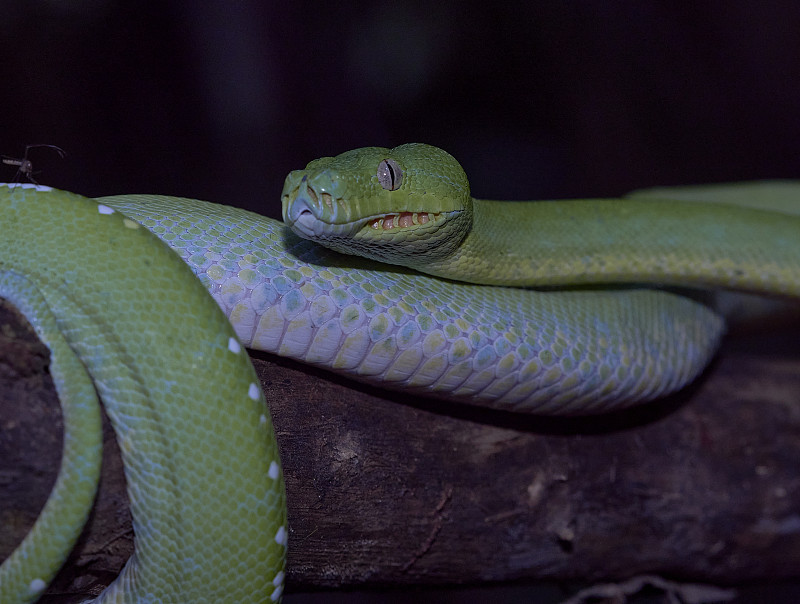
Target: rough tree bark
(387,490)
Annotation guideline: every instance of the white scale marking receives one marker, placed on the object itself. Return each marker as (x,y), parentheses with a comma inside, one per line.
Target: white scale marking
(278,583)
(254,392)
(280,536)
(274,470)
(37,586)
(104,209)
(234,346)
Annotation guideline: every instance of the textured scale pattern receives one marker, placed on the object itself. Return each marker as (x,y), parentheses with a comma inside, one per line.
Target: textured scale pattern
(575,242)
(119,311)
(201,461)
(558,352)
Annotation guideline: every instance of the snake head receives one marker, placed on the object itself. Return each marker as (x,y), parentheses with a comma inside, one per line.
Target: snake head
(407,205)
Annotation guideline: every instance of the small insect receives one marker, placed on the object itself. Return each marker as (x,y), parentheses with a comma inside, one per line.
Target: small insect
(25,166)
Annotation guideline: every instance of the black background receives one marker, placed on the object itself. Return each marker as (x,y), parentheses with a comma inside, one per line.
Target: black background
(219,100)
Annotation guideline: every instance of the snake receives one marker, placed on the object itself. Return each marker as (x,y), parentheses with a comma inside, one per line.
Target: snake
(552,307)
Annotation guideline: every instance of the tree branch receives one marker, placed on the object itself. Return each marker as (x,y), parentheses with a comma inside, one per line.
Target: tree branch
(385,489)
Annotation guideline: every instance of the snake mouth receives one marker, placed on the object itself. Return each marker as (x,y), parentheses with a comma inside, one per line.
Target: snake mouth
(306,223)
(304,218)
(402,220)
(319,215)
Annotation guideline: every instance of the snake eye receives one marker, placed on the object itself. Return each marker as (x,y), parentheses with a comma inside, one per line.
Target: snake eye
(390,175)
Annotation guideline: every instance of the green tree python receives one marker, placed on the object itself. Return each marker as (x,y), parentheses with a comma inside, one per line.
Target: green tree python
(125,319)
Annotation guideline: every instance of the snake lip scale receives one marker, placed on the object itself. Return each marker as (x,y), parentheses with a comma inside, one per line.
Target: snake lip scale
(308,219)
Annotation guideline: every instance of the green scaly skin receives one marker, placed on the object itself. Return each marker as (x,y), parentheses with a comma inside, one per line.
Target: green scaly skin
(104,295)
(201,462)
(336,201)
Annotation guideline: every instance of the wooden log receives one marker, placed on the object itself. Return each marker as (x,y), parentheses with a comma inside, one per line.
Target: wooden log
(389,490)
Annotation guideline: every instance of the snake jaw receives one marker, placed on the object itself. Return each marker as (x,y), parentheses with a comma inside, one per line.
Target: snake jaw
(305,223)
(401,220)
(313,214)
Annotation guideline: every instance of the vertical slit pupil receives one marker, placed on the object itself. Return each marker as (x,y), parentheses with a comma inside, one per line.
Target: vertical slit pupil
(391,175)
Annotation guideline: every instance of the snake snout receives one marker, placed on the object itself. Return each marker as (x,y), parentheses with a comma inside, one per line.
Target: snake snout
(300,216)
(309,212)
(298,208)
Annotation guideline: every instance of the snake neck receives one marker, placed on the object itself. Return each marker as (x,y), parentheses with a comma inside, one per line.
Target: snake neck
(498,247)
(602,241)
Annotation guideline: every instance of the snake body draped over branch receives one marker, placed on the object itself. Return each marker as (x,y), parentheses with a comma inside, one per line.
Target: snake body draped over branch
(122,315)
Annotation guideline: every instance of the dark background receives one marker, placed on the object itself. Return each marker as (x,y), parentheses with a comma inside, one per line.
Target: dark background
(219,99)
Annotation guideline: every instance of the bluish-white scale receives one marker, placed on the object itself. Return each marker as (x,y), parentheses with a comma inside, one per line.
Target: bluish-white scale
(393,327)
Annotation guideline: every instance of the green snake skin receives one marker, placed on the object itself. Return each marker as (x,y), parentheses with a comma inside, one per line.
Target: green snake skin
(201,462)
(340,202)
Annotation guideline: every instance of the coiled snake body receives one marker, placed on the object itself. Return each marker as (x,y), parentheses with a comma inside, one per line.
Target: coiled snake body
(122,315)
